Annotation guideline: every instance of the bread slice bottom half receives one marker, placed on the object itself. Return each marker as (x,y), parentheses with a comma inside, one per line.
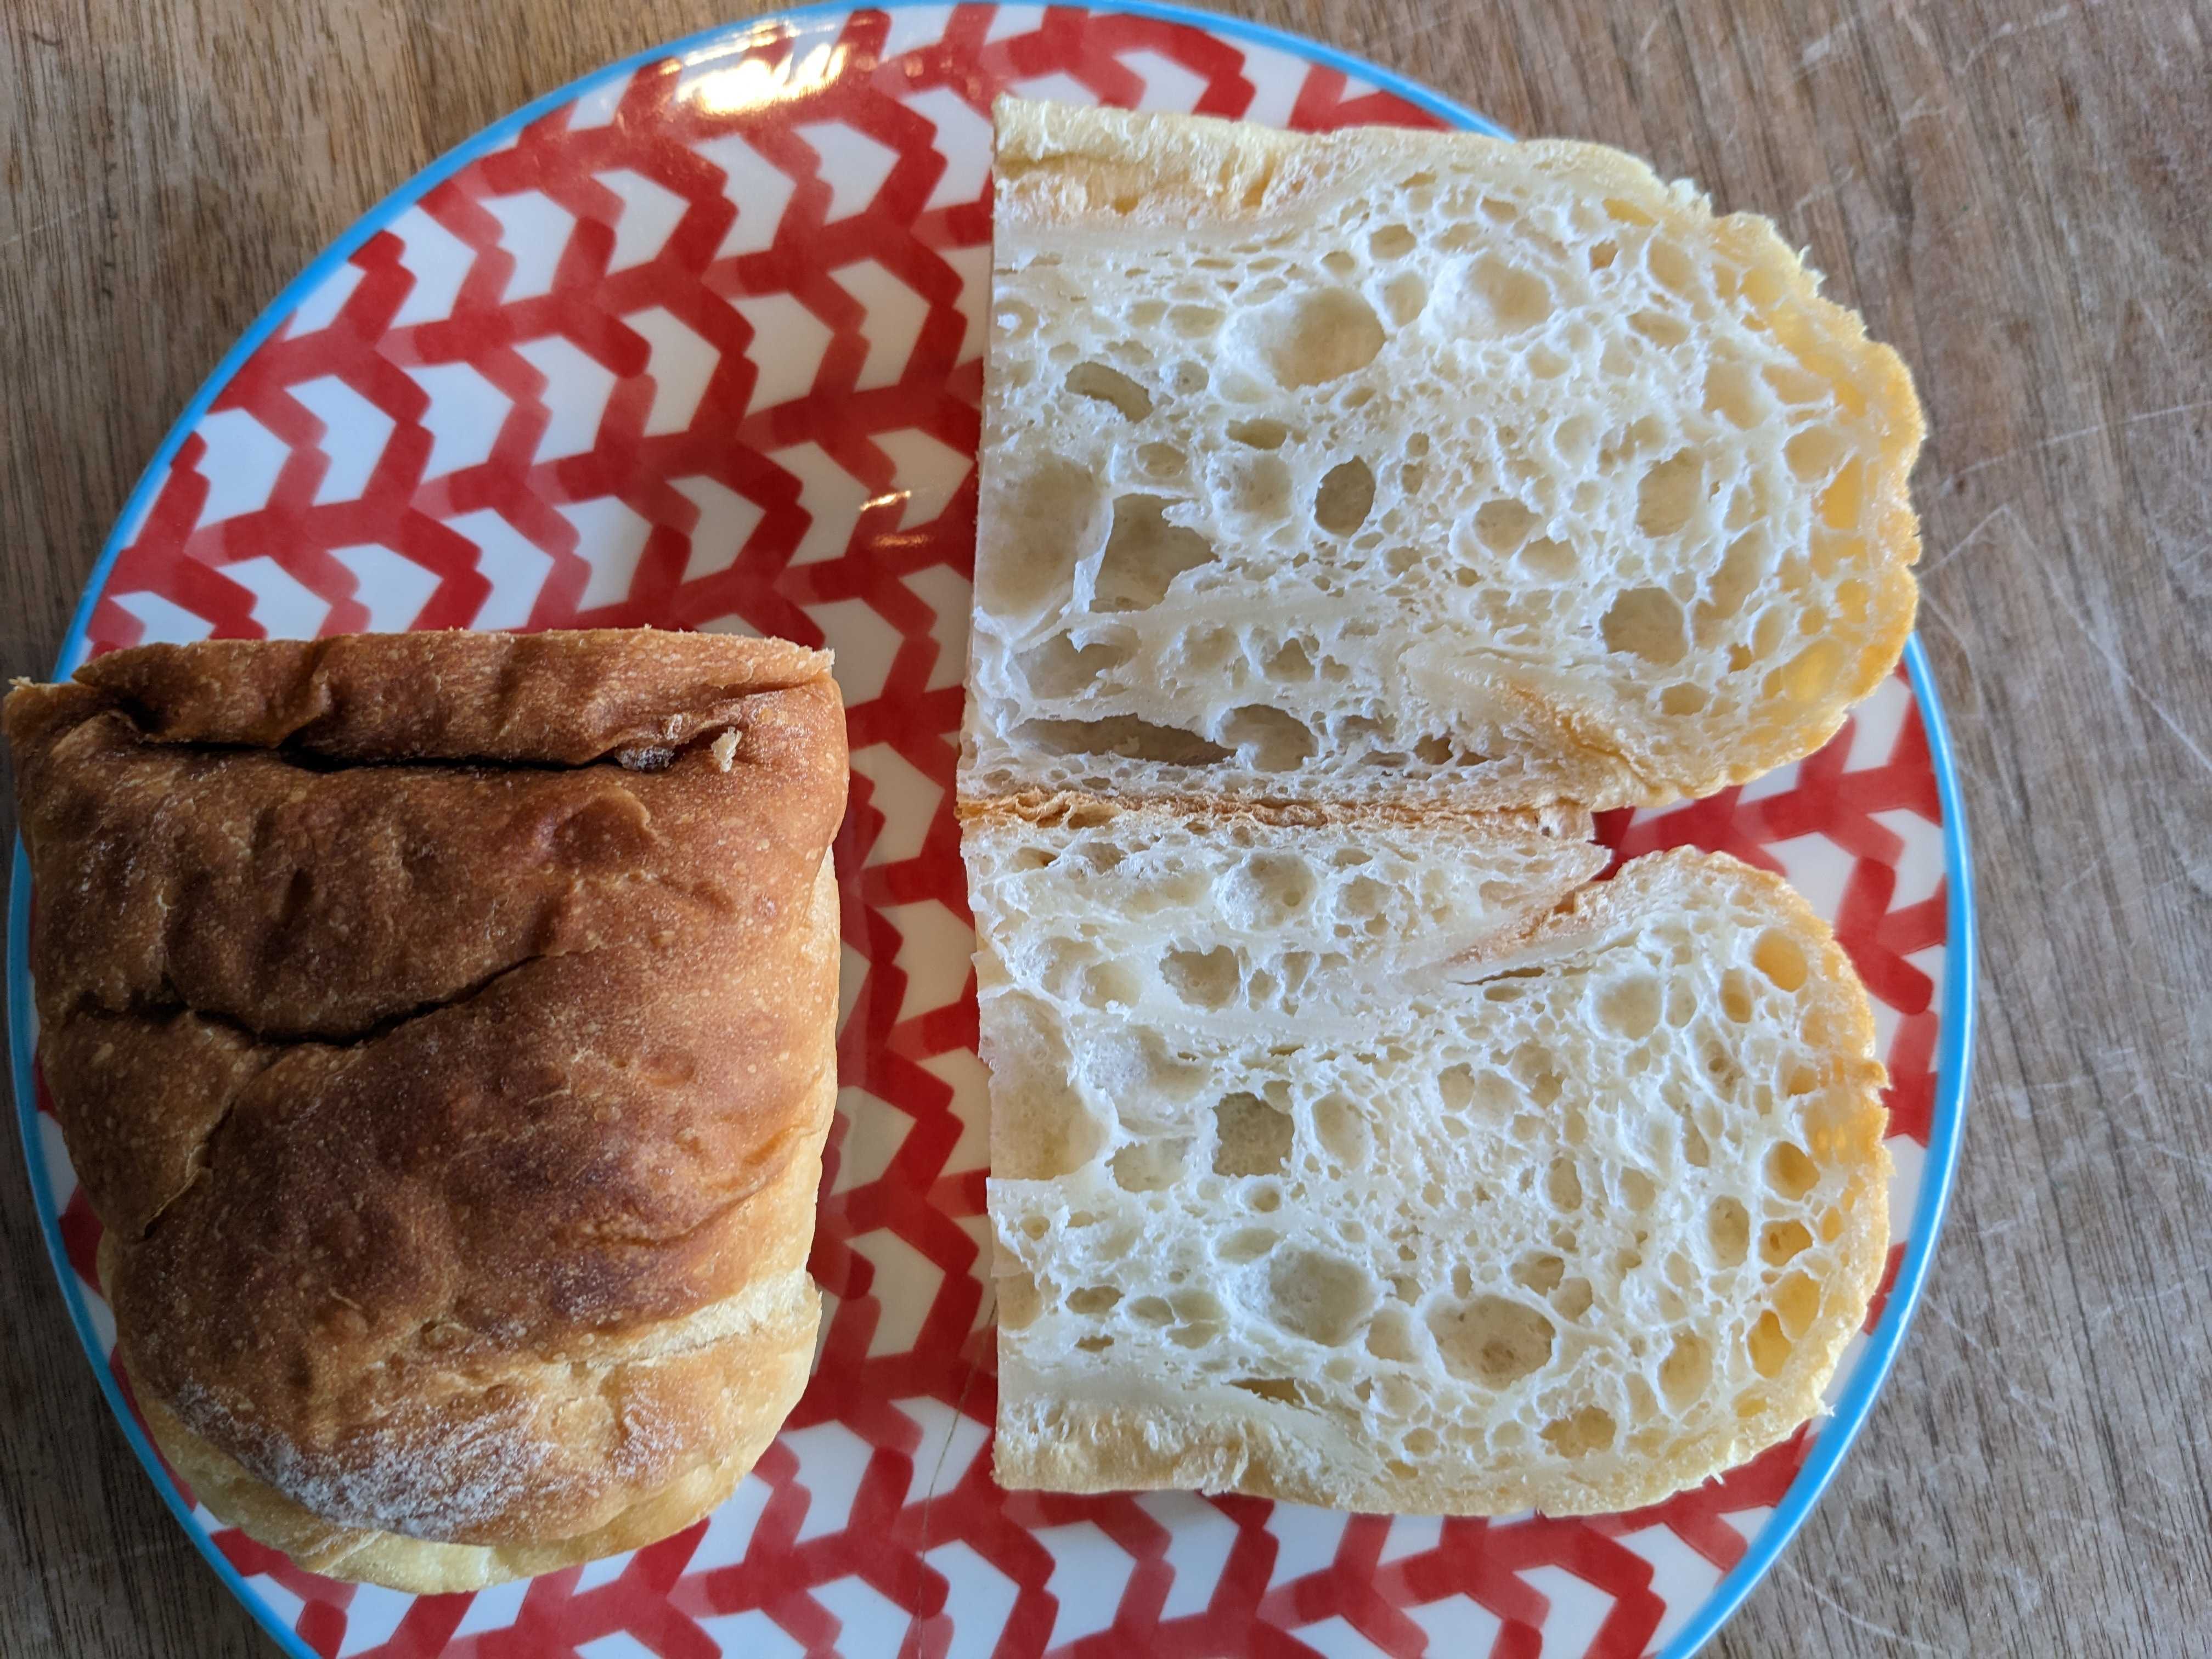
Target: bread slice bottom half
(1387,1166)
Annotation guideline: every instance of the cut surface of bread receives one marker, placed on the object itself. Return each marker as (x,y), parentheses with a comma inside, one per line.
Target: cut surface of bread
(442,1027)
(1294,1197)
(1409,467)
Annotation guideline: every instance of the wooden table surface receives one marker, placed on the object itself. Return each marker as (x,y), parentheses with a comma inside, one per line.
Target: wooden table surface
(2015,193)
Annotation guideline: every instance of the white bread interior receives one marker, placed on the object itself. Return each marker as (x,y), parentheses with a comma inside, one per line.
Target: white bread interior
(1294,1197)
(1414,467)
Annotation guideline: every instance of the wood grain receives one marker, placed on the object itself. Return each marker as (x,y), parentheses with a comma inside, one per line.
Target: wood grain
(2013,191)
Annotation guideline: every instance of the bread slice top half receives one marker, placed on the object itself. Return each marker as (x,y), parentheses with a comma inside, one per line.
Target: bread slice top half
(1293,1197)
(1414,467)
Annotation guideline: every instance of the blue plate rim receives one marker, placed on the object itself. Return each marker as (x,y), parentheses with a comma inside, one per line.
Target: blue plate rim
(1954,1048)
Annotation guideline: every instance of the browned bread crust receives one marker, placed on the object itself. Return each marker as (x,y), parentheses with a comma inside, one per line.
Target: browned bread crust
(443,1026)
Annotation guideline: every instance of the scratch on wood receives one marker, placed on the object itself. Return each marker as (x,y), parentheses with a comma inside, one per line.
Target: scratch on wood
(29,231)
(1863,1623)
(2005,31)
(2002,511)
(2078,433)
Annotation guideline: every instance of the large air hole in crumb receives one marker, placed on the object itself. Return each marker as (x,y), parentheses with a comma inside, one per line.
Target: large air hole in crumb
(1791,1172)
(1671,266)
(1686,1371)
(1659,328)
(1290,664)
(1638,1190)
(1514,300)
(1319,1297)
(1247,1243)
(1797,1300)
(1391,242)
(1044,1128)
(1149,1166)
(1573,1298)
(1259,434)
(1582,1432)
(1540,1274)
(1405,296)
(1207,650)
(1814,452)
(1501,525)
(1362,898)
(1781,1241)
(1251,1137)
(1260,487)
(1646,622)
(1770,1348)
(1060,668)
(1493,1341)
(1730,392)
(1203,979)
(1151,1310)
(1269,739)
(1144,553)
(1123,735)
(1390,1336)
(1456,1084)
(1317,336)
(1563,1184)
(1109,385)
(1341,1130)
(1781,959)
(1093,1299)
(1199,1318)
(1032,534)
(1279,1389)
(1108,985)
(1728,1225)
(1267,888)
(1552,559)
(1019,1303)
(1345,497)
(1682,699)
(1195,322)
(1741,568)
(1098,855)
(1668,494)
(1162,461)
(1630,1007)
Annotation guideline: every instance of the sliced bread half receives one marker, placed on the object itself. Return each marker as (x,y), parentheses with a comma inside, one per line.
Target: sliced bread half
(1332,1163)
(1414,467)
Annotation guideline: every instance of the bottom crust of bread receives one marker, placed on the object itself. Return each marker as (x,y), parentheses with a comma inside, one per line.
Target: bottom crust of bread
(1047,1443)
(423,1566)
